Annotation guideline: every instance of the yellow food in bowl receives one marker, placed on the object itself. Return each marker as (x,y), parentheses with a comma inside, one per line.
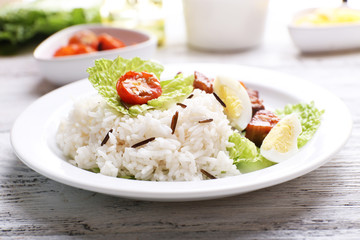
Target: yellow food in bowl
(329,17)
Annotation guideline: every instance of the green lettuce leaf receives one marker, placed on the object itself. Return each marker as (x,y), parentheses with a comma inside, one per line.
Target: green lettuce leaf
(247,165)
(246,155)
(309,116)
(174,90)
(25,23)
(243,148)
(105,73)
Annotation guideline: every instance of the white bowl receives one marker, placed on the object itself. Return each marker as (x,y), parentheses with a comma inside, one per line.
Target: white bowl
(63,70)
(227,25)
(316,39)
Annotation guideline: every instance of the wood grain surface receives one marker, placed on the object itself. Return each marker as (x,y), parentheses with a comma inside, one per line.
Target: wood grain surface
(323,204)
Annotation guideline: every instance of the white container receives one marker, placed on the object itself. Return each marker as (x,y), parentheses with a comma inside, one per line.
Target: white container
(63,70)
(324,38)
(224,25)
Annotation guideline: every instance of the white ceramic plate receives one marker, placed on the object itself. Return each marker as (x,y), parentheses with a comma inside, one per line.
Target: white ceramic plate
(33,139)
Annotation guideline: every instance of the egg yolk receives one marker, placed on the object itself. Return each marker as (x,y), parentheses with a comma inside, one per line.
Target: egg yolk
(233,103)
(280,138)
(329,16)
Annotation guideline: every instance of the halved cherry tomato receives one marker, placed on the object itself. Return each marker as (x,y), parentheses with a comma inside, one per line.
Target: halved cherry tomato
(85,37)
(64,51)
(80,49)
(138,87)
(107,42)
(73,49)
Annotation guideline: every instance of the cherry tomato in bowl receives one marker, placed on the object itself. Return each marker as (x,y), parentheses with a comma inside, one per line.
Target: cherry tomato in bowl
(138,87)
(85,37)
(73,49)
(107,42)
(87,41)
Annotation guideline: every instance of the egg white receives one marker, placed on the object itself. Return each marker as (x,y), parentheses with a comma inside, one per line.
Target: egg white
(275,156)
(240,92)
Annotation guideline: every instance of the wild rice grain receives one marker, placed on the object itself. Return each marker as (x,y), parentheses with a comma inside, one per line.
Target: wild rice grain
(207,174)
(143,142)
(206,120)
(181,105)
(219,100)
(174,122)
(124,105)
(106,138)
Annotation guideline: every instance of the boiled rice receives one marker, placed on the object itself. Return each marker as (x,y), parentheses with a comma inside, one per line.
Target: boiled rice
(170,157)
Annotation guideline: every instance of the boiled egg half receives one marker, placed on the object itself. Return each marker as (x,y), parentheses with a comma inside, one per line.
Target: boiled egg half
(238,106)
(281,142)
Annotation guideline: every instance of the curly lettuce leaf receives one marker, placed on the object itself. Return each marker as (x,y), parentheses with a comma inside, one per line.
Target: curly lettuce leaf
(243,148)
(246,155)
(250,165)
(174,90)
(309,116)
(105,73)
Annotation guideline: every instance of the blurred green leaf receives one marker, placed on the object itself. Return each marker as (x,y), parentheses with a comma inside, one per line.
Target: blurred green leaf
(21,24)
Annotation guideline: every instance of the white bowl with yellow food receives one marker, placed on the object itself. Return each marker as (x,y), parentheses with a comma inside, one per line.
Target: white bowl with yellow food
(324,30)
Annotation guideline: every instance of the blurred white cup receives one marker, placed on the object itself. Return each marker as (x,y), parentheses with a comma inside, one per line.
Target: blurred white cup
(224,25)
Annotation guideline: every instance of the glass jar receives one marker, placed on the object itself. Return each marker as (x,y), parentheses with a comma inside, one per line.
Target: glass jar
(146,15)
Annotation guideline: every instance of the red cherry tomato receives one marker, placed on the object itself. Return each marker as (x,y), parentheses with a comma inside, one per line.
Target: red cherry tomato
(64,51)
(85,37)
(73,49)
(107,42)
(138,87)
(81,49)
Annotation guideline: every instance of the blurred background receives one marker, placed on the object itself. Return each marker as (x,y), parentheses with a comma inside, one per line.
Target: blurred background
(30,21)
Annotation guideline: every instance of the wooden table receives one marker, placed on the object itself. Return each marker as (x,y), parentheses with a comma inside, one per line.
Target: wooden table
(324,204)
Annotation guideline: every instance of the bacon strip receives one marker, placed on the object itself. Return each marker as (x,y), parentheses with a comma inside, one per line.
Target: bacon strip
(256,102)
(260,125)
(202,82)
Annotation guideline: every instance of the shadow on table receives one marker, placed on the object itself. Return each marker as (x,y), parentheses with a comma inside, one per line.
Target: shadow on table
(43,87)
(331,54)
(46,208)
